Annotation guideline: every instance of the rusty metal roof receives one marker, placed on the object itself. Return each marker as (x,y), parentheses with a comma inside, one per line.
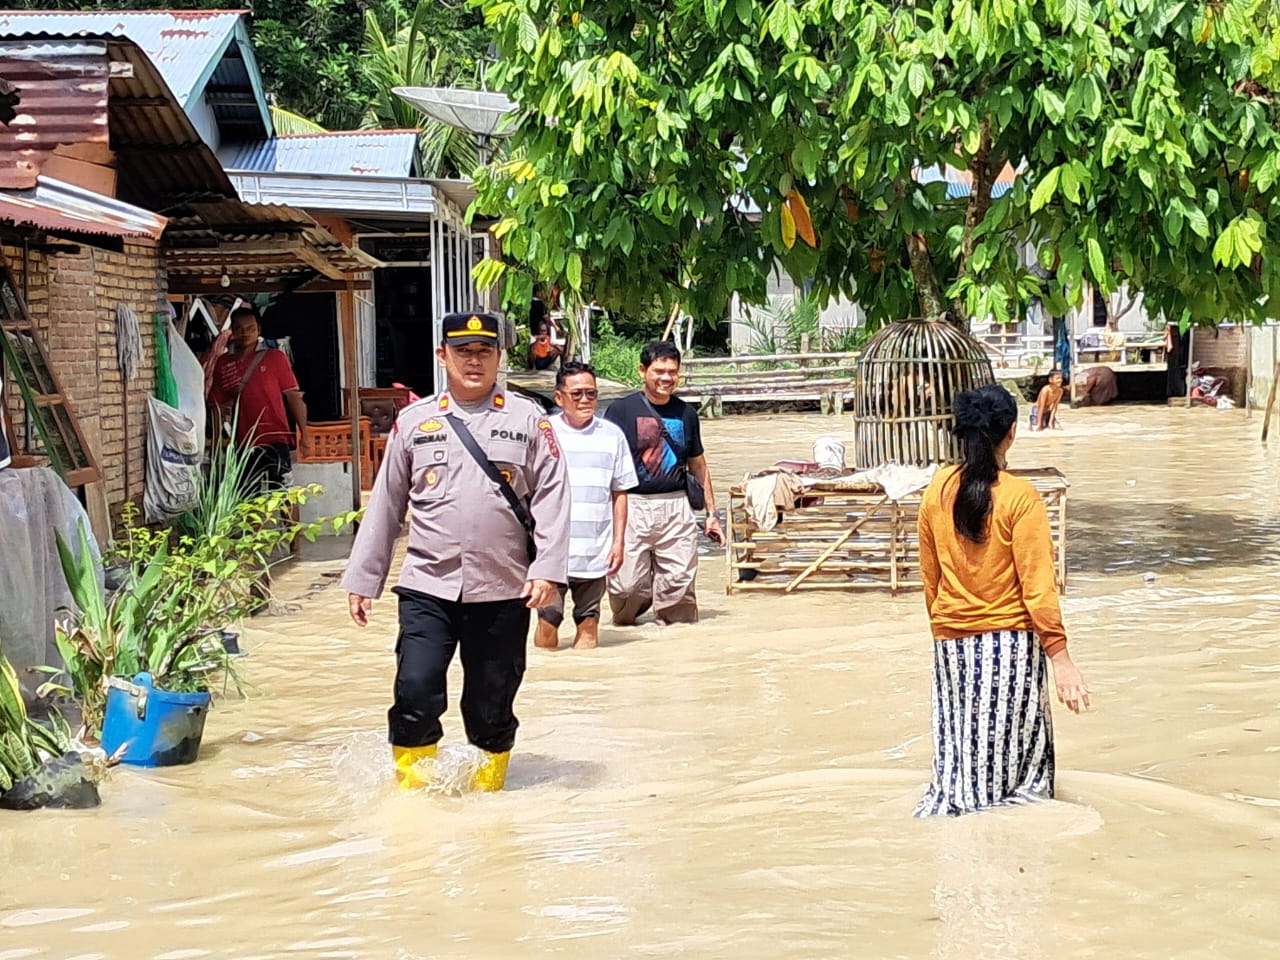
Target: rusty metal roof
(205,56)
(183,44)
(162,159)
(63,91)
(61,208)
(344,153)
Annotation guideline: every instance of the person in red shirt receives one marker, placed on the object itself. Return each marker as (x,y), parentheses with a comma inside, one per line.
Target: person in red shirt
(257,382)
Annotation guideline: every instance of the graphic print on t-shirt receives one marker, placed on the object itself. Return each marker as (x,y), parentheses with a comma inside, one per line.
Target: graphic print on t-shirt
(657,461)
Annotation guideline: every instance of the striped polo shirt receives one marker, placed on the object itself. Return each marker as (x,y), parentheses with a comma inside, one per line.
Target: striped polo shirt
(599,463)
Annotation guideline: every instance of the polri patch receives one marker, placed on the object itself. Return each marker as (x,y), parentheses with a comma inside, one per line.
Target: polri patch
(549,433)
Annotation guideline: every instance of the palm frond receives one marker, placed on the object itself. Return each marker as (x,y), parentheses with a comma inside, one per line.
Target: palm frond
(287,122)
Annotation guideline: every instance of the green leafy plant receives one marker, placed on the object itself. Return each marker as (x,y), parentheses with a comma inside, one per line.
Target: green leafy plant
(614,356)
(157,622)
(24,743)
(1129,142)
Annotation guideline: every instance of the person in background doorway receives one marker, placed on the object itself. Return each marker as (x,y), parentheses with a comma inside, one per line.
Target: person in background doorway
(476,564)
(255,382)
(1045,413)
(543,349)
(987,561)
(600,474)
(660,562)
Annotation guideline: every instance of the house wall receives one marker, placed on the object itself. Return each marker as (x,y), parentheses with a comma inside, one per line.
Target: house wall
(72,299)
(1264,352)
(1224,350)
(746,322)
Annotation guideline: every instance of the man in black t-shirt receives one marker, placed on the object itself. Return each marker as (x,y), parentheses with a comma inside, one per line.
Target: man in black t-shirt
(660,562)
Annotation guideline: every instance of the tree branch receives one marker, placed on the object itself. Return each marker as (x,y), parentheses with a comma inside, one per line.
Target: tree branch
(980,166)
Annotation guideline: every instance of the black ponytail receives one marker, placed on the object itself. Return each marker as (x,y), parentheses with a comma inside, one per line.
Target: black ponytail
(983,419)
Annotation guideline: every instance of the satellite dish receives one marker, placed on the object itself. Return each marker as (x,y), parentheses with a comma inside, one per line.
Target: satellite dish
(476,111)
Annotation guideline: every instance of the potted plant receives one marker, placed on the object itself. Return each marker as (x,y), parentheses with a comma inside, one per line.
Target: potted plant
(138,661)
(141,661)
(38,767)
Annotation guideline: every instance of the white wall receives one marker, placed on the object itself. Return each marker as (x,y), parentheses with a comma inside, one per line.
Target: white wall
(1264,352)
(837,316)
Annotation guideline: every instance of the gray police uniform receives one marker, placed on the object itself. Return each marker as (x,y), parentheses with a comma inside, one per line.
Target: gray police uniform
(467,558)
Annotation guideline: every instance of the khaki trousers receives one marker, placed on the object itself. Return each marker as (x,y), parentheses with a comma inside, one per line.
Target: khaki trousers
(660,561)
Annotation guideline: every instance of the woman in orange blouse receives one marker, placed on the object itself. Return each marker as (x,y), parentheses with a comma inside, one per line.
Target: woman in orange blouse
(987,561)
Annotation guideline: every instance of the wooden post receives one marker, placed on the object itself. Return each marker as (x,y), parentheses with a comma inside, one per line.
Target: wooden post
(1271,399)
(351,365)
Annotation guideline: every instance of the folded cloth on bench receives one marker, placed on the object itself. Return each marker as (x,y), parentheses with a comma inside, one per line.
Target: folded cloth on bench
(769,493)
(896,479)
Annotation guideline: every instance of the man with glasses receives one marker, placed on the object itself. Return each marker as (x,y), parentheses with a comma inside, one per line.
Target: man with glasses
(481,474)
(600,473)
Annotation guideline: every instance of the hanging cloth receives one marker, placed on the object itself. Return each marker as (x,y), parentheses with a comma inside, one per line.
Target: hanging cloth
(128,342)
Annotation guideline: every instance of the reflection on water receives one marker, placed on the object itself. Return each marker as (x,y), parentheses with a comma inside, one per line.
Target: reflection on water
(742,788)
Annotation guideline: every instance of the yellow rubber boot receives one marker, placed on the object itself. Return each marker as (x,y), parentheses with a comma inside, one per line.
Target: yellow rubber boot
(409,776)
(492,773)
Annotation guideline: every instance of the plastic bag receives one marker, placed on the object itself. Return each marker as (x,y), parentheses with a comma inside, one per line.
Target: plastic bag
(34,505)
(189,377)
(173,462)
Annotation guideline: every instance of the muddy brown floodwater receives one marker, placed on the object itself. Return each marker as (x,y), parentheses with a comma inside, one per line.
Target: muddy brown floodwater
(740,788)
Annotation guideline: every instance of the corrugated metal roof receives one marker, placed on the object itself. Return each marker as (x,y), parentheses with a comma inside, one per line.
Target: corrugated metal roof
(63,90)
(267,244)
(366,153)
(181,43)
(960,182)
(62,208)
(161,157)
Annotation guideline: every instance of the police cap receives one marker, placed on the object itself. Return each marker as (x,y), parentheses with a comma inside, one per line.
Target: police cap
(461,328)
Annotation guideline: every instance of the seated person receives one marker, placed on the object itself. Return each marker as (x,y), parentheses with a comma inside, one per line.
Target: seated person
(1045,413)
(543,350)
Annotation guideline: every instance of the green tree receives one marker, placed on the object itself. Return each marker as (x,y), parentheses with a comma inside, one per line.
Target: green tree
(430,48)
(1144,132)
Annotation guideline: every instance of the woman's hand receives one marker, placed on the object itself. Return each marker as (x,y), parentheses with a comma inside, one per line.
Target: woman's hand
(1072,690)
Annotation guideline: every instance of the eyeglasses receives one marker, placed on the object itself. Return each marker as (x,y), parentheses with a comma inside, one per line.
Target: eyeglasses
(583,394)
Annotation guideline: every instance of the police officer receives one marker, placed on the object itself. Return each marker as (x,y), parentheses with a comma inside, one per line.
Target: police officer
(468,577)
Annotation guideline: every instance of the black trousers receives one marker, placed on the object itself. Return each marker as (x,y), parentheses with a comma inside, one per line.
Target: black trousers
(273,464)
(492,637)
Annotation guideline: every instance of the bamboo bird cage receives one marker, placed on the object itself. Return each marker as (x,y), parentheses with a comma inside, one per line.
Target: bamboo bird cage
(906,380)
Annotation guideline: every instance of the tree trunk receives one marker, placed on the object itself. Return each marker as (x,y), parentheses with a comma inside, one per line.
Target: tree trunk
(927,292)
(984,174)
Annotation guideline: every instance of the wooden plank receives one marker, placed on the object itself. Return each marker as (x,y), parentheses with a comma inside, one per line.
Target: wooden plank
(764,358)
(832,549)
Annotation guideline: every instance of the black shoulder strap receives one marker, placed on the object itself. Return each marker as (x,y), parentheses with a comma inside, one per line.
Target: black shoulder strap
(513,500)
(253,365)
(676,448)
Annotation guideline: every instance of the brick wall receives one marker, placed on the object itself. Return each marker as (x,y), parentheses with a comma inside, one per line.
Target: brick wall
(1225,352)
(73,298)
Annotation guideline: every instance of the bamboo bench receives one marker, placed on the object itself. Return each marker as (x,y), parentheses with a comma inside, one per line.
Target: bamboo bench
(854,538)
(769,378)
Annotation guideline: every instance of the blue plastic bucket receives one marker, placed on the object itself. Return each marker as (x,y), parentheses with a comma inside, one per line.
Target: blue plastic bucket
(157,728)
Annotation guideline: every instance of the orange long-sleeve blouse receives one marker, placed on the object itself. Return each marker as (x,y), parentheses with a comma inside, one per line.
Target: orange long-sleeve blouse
(1006,583)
